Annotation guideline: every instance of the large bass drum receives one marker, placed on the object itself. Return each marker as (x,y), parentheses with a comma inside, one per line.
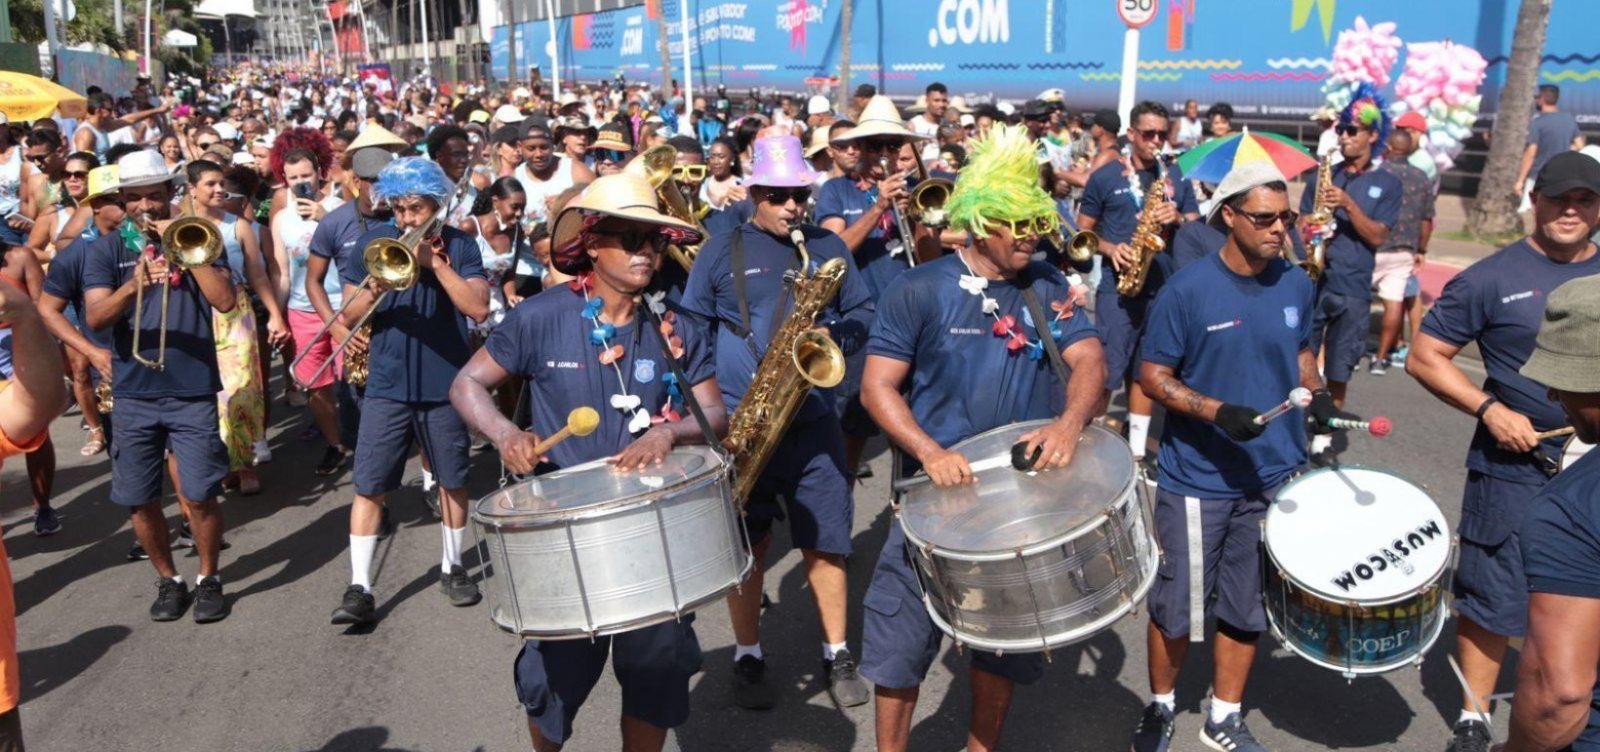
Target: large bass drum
(589,551)
(1028,561)
(1354,561)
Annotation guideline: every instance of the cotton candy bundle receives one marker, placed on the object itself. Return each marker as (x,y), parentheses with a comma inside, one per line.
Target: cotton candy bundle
(1363,54)
(1441,81)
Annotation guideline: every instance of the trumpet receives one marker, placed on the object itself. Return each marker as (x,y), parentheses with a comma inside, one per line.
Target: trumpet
(188,242)
(1079,248)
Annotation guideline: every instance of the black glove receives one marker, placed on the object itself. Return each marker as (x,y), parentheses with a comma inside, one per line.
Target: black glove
(1321,411)
(1239,422)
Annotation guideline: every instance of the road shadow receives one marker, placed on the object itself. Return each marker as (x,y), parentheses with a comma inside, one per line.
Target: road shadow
(364,739)
(45,669)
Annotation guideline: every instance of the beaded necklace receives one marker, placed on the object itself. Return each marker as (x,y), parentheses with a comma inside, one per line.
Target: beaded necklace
(603,335)
(1006,326)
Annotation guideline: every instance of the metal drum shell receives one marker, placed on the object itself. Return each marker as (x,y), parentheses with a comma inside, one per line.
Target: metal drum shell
(1047,594)
(614,565)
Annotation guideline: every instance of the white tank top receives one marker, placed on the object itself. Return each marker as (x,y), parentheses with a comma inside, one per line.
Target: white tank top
(11,182)
(102,142)
(540,192)
(297,232)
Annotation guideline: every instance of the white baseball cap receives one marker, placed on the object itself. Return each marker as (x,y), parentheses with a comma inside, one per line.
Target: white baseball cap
(509,114)
(818,105)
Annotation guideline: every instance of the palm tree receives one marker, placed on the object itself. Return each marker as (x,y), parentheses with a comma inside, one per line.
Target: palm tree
(846,20)
(1494,210)
(666,49)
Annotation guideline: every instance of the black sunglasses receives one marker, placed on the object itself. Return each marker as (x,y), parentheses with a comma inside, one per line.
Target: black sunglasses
(38,158)
(76,174)
(634,240)
(1153,134)
(1348,130)
(781,196)
(1265,220)
(609,155)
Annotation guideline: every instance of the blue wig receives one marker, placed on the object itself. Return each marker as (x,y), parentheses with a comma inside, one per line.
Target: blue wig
(413,176)
(1368,110)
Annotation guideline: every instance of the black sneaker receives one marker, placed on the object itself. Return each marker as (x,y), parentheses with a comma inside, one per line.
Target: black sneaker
(845,685)
(209,603)
(1469,736)
(333,458)
(172,599)
(1154,733)
(356,608)
(137,553)
(431,497)
(46,522)
(750,688)
(1230,736)
(459,587)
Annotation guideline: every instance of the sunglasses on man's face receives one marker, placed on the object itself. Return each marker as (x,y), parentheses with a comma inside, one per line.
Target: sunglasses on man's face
(1265,220)
(1153,134)
(881,144)
(38,158)
(609,155)
(203,145)
(1349,130)
(635,239)
(781,196)
(689,173)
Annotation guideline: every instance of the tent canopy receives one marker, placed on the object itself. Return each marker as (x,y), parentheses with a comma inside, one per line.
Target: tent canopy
(179,38)
(225,8)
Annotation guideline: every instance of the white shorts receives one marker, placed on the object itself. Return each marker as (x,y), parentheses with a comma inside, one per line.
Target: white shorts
(1390,272)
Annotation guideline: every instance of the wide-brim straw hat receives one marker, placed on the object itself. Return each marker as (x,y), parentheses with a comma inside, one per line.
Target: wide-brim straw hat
(920,106)
(622,195)
(379,136)
(819,141)
(880,118)
(145,167)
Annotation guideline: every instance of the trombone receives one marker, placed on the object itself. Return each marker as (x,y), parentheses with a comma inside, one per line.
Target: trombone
(655,165)
(1081,247)
(188,242)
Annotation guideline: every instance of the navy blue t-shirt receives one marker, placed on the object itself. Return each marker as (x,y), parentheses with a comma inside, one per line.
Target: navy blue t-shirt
(339,231)
(191,359)
(841,199)
(710,296)
(963,379)
(1194,241)
(419,339)
(1106,197)
(546,338)
(1349,259)
(64,279)
(724,220)
(1236,339)
(1498,302)
(1561,550)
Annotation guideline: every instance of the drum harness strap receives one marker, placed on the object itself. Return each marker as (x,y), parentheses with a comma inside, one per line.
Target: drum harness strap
(1197,563)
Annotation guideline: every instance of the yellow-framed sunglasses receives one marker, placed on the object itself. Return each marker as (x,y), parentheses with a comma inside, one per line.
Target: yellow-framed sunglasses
(689,173)
(1036,227)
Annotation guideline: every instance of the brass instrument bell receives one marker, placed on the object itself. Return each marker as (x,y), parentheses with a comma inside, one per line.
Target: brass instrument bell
(187,243)
(928,200)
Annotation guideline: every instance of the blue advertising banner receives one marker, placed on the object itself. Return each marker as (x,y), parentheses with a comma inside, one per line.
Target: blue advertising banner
(1268,58)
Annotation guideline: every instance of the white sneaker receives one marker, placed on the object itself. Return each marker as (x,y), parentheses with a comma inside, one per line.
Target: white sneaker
(263,452)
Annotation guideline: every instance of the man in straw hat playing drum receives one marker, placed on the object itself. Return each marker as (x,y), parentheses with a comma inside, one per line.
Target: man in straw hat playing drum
(935,340)
(585,344)
(737,284)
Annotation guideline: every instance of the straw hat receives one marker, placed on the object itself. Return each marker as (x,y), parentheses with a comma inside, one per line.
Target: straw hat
(880,118)
(958,104)
(622,195)
(819,141)
(376,135)
(920,106)
(145,167)
(103,181)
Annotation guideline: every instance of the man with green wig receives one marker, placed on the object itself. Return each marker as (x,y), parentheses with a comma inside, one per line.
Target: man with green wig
(978,339)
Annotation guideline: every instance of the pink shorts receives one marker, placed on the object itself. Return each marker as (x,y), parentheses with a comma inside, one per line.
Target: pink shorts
(1390,271)
(303,325)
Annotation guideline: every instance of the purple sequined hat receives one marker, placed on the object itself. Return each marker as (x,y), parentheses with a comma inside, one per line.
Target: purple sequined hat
(780,163)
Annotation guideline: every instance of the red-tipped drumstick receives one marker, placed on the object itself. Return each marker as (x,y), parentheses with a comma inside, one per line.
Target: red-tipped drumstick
(1300,397)
(1379,426)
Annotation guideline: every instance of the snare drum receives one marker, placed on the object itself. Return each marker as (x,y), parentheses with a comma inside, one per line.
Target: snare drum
(1028,561)
(589,551)
(1572,451)
(1354,558)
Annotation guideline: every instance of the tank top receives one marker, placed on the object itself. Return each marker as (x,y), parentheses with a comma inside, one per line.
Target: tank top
(297,232)
(539,192)
(11,182)
(1189,132)
(102,142)
(229,228)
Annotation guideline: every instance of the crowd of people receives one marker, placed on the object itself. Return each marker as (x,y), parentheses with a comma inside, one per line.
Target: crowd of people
(183,246)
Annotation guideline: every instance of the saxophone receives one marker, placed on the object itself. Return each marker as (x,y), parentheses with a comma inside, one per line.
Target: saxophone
(1319,224)
(797,359)
(1146,240)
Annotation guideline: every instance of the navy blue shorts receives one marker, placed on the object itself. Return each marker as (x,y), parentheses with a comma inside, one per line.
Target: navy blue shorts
(1344,321)
(807,470)
(1120,320)
(653,665)
(146,429)
(899,641)
(1491,587)
(1230,537)
(853,417)
(387,430)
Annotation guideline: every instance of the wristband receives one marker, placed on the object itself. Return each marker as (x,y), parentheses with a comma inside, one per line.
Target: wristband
(1484,407)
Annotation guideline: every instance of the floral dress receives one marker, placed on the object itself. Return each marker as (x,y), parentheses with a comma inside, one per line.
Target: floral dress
(241,405)
(495,267)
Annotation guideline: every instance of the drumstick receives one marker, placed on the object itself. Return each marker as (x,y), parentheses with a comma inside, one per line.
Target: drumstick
(1379,426)
(1565,431)
(580,422)
(1300,397)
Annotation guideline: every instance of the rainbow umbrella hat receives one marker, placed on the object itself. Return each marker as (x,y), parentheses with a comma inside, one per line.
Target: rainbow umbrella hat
(1213,160)
(25,97)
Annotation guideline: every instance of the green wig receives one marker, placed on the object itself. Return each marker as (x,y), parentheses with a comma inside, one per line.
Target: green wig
(999,181)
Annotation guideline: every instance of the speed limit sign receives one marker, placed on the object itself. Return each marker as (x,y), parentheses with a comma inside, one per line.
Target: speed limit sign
(1136,13)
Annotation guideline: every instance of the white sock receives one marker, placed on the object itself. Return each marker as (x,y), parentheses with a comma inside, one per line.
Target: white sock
(1138,433)
(1221,710)
(362,547)
(452,537)
(830,650)
(198,578)
(1168,700)
(427,480)
(740,651)
(179,579)
(1467,715)
(1320,444)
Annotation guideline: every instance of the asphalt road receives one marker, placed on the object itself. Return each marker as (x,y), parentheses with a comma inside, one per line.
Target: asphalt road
(99,675)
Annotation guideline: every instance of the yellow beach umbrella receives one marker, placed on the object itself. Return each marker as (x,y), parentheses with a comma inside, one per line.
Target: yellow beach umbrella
(25,97)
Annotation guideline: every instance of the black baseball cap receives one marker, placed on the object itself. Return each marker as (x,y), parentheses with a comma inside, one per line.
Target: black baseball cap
(1036,109)
(1566,172)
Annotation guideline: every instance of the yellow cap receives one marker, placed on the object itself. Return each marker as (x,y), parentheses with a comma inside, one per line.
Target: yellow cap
(102,181)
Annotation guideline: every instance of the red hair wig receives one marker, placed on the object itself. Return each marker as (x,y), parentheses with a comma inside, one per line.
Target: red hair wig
(309,139)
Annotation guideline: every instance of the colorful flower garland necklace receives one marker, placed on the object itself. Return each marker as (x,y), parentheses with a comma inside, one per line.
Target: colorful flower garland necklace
(603,336)
(1006,326)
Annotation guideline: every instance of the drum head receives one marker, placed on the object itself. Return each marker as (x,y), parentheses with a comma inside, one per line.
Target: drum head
(1011,509)
(597,484)
(1358,534)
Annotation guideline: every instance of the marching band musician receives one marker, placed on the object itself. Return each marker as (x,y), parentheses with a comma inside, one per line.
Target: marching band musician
(1227,338)
(1497,303)
(737,285)
(173,408)
(612,237)
(1113,205)
(957,386)
(417,343)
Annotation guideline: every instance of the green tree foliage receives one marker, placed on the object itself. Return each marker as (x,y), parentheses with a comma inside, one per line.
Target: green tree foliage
(94,23)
